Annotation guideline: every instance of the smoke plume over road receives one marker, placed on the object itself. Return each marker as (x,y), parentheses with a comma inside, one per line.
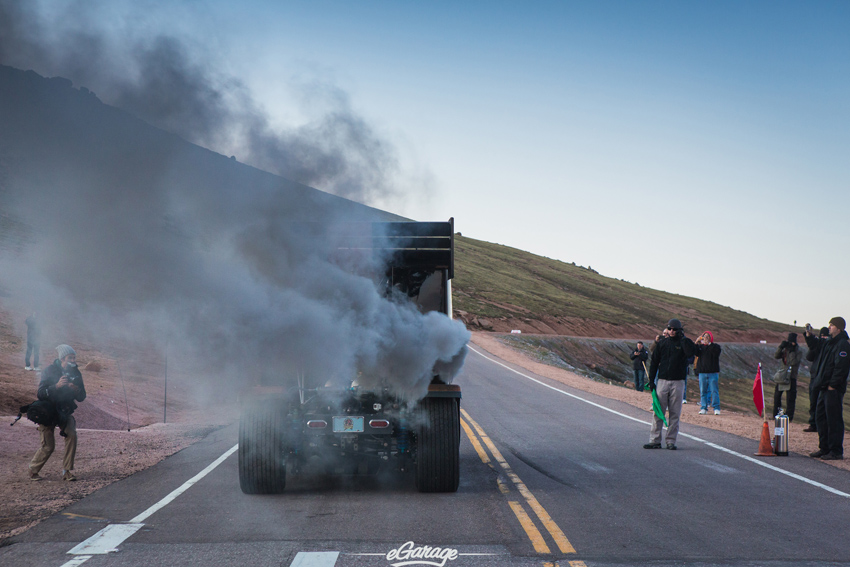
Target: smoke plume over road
(135,236)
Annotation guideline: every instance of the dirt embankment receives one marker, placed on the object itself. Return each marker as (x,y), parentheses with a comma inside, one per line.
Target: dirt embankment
(576,327)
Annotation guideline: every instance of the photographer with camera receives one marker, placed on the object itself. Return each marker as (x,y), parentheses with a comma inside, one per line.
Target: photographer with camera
(669,363)
(831,385)
(708,369)
(62,385)
(791,355)
(814,356)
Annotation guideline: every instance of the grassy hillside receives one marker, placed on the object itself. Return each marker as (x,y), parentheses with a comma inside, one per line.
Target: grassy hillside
(501,288)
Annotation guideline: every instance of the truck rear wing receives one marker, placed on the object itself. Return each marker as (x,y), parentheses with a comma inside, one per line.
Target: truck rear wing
(407,244)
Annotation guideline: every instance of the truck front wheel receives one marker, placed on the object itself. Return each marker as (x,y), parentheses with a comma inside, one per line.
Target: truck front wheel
(438,446)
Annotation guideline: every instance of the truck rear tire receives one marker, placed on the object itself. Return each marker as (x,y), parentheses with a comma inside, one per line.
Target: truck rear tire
(438,446)
(262,449)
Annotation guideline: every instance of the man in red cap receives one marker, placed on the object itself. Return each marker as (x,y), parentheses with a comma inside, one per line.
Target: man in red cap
(831,384)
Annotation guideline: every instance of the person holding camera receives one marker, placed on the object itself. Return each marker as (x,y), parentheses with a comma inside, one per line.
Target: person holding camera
(791,355)
(669,363)
(639,357)
(708,370)
(62,385)
(814,356)
(831,385)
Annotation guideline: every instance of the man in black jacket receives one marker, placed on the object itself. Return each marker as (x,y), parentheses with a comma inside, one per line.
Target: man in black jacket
(639,357)
(831,384)
(791,355)
(813,355)
(708,369)
(62,385)
(669,363)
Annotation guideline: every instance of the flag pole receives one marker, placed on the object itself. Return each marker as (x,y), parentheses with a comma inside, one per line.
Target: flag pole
(763,403)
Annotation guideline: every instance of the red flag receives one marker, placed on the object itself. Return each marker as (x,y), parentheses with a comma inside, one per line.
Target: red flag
(758,392)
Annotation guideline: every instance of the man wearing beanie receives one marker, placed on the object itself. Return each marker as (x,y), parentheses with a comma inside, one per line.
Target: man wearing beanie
(669,363)
(708,369)
(791,355)
(831,384)
(813,355)
(62,384)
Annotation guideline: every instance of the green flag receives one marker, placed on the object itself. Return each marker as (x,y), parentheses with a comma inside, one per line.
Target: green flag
(656,407)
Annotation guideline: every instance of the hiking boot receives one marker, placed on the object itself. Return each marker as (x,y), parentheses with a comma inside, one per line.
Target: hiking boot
(34,476)
(717,412)
(817,454)
(811,429)
(671,446)
(702,412)
(652,446)
(832,457)
(68,475)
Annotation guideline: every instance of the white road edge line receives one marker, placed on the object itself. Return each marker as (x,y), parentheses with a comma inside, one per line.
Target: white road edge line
(109,538)
(709,443)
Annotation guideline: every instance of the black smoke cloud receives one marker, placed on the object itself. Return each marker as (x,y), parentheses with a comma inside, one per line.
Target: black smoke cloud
(174,84)
(139,238)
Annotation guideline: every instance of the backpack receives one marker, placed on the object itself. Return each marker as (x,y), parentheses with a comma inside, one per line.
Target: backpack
(40,412)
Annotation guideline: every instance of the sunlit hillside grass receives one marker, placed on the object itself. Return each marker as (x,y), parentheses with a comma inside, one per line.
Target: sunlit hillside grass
(495,281)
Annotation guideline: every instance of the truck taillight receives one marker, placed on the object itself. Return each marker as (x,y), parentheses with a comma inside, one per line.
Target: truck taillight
(379,423)
(317,424)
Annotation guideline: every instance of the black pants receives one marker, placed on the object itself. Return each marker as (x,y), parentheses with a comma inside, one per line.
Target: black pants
(813,404)
(830,421)
(792,400)
(32,349)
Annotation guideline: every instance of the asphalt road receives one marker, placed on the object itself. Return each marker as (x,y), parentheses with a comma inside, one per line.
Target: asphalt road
(549,476)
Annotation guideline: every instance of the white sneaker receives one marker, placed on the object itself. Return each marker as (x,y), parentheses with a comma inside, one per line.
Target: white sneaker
(702,412)
(37,369)
(27,367)
(717,412)
(684,401)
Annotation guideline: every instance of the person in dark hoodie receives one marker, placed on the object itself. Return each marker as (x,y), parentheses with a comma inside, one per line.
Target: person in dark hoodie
(792,355)
(831,384)
(813,355)
(639,357)
(667,373)
(62,384)
(708,369)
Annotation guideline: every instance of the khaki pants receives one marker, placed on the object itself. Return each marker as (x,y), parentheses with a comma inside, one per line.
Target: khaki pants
(670,394)
(48,444)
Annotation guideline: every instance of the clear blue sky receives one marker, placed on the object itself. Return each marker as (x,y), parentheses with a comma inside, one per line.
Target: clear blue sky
(701,148)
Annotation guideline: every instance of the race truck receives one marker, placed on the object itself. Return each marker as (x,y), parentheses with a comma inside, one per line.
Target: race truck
(309,429)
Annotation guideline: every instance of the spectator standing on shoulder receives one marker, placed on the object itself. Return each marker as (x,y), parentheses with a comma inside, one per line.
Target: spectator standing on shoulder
(708,370)
(62,385)
(33,341)
(813,355)
(667,373)
(792,355)
(639,357)
(831,384)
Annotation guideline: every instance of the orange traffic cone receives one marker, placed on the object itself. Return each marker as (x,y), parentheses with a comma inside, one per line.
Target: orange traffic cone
(765,447)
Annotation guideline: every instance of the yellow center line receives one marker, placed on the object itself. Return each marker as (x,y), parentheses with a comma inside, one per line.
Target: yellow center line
(560,539)
(474,440)
(530,529)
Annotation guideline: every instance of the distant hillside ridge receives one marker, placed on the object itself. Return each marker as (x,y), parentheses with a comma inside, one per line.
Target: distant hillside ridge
(52,131)
(499,288)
